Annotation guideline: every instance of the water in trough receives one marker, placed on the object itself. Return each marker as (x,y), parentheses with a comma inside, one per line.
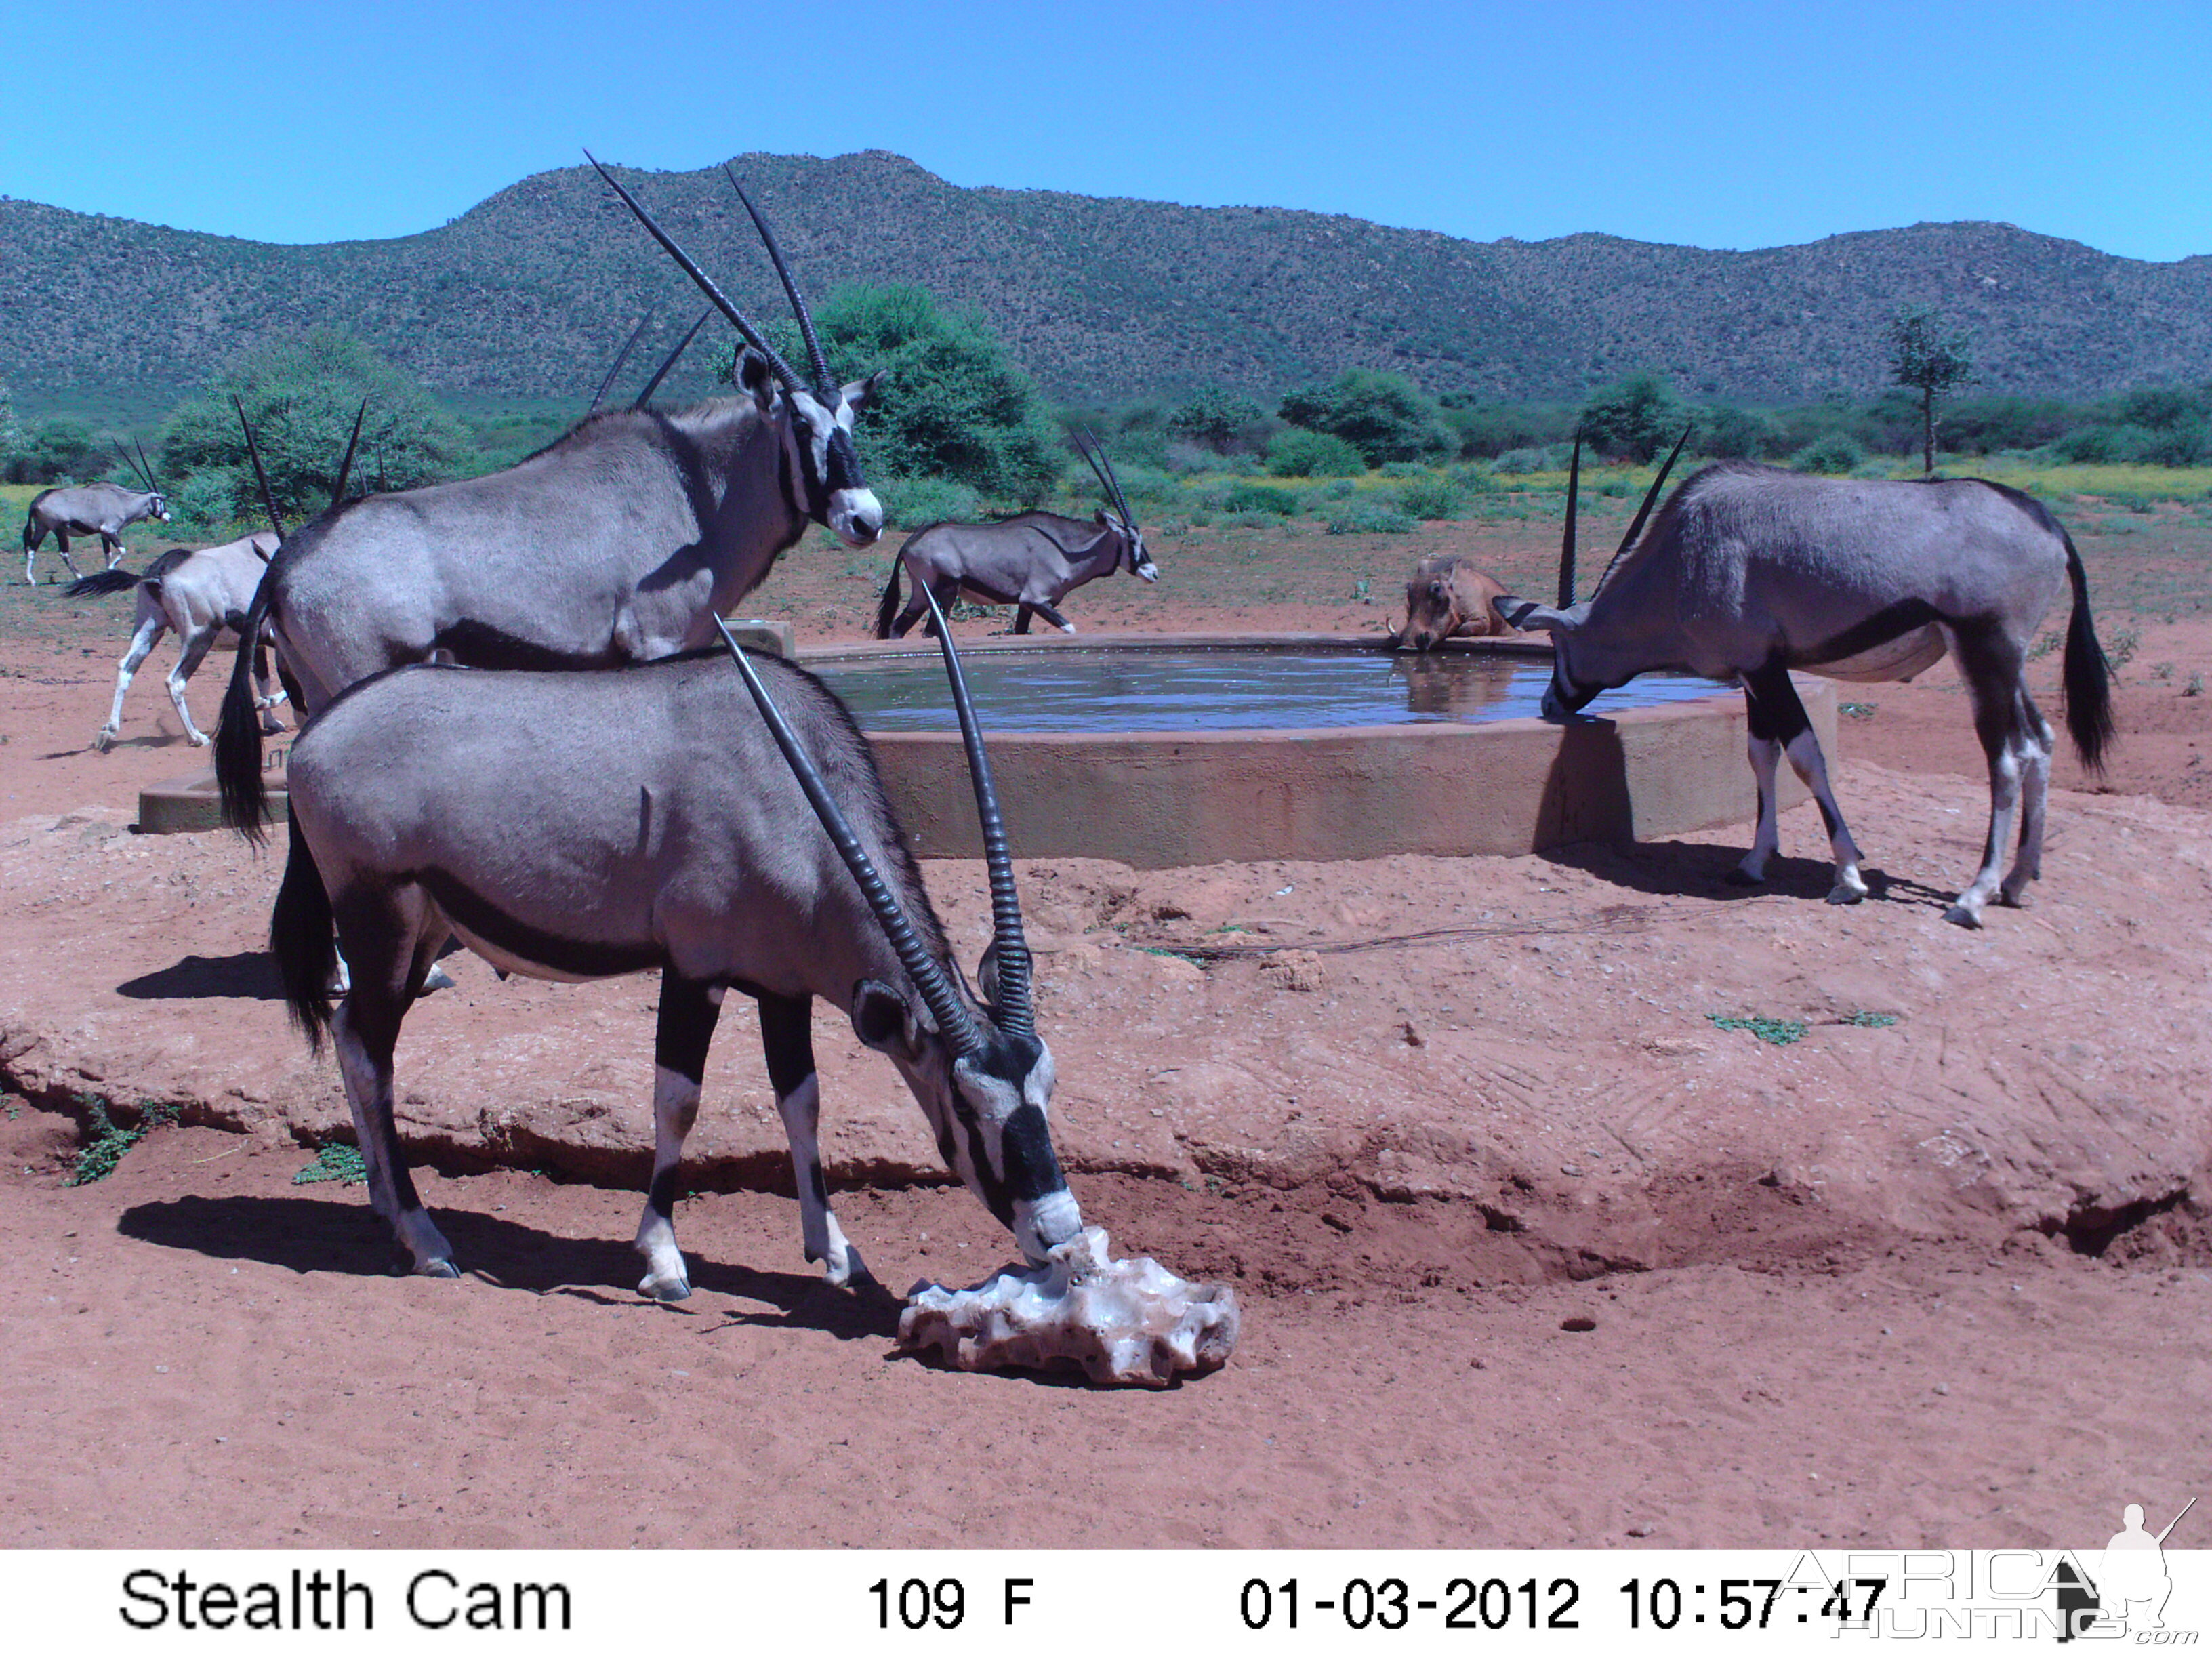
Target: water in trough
(1198,689)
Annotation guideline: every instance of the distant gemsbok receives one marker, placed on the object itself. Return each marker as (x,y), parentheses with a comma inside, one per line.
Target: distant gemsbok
(619,543)
(726,827)
(1750,571)
(101,509)
(1030,560)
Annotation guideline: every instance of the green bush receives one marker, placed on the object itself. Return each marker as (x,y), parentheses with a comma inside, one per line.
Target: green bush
(1729,433)
(60,451)
(1515,462)
(1373,513)
(300,395)
(1217,418)
(1432,497)
(1386,417)
(1297,453)
(953,403)
(1638,418)
(1838,452)
(1260,498)
(910,503)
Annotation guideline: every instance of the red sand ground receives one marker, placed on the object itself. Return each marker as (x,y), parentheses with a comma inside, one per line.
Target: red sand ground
(1885,1329)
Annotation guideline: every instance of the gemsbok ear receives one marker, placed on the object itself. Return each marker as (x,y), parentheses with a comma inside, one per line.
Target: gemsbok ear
(857,392)
(757,378)
(1527,613)
(883,1020)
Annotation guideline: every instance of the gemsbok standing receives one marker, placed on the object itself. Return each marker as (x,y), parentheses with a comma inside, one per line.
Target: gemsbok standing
(619,543)
(1750,571)
(1030,560)
(726,827)
(101,509)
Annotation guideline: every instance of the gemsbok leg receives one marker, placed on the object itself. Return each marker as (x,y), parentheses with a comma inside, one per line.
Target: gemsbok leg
(1780,725)
(152,624)
(194,651)
(389,941)
(787,1037)
(689,1011)
(2017,741)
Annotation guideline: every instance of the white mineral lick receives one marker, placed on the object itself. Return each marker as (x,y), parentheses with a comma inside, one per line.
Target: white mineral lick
(1121,1322)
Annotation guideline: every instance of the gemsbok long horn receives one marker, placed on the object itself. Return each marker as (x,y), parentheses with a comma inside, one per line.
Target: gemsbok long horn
(1567,537)
(130,466)
(1101,464)
(621,357)
(670,360)
(268,497)
(954,1023)
(1014,1012)
(1636,524)
(152,484)
(753,337)
(345,466)
(823,382)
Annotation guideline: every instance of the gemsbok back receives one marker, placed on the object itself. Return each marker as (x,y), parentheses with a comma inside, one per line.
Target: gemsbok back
(100,509)
(726,827)
(619,543)
(1750,571)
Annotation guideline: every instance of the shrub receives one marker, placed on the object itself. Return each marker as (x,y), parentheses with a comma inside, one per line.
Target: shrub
(300,395)
(1432,497)
(1838,452)
(1217,418)
(1637,418)
(911,503)
(1386,417)
(1260,498)
(60,451)
(1515,462)
(1372,513)
(1296,452)
(953,404)
(1741,435)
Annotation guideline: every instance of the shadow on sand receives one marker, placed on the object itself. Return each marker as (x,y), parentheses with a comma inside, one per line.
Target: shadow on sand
(319,1235)
(247,973)
(1675,869)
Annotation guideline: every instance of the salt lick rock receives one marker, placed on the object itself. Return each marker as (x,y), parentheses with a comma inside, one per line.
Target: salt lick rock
(1123,1322)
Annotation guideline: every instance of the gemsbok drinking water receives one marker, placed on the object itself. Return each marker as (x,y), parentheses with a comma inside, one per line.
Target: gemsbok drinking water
(725,826)
(1750,571)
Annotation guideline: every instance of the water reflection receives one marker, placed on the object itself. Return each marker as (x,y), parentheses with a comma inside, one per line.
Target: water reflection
(1073,689)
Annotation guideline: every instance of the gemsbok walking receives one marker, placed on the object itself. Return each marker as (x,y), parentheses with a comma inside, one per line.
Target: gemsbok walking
(726,827)
(1030,560)
(1750,571)
(619,543)
(101,509)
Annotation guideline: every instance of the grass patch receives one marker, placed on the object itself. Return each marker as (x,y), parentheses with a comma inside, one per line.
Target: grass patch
(1856,711)
(97,1158)
(1780,1032)
(1869,1020)
(336,1162)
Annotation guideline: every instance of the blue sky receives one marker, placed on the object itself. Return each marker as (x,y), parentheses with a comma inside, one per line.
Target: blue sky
(1718,124)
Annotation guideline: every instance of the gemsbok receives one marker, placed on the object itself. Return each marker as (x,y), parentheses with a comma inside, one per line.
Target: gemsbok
(619,543)
(1030,560)
(1750,571)
(101,509)
(728,829)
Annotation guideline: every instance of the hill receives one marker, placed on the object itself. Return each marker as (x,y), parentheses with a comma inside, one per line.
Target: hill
(524,296)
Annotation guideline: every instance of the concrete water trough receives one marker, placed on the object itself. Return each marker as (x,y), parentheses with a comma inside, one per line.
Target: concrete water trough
(1161,750)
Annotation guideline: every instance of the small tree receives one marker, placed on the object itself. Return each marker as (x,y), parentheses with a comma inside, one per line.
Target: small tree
(1386,417)
(1932,360)
(1637,418)
(1216,417)
(953,405)
(300,395)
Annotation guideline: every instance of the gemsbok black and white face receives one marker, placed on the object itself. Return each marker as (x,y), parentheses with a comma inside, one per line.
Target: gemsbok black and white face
(1134,559)
(990,1109)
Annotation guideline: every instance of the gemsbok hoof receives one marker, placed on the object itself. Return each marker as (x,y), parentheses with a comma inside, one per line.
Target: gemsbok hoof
(1841,894)
(664,1290)
(1740,877)
(1959,916)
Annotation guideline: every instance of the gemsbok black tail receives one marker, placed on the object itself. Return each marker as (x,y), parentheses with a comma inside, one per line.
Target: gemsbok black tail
(238,778)
(2087,674)
(303,940)
(889,608)
(102,582)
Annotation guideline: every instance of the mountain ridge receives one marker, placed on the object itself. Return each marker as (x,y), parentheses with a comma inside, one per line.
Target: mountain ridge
(525,295)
